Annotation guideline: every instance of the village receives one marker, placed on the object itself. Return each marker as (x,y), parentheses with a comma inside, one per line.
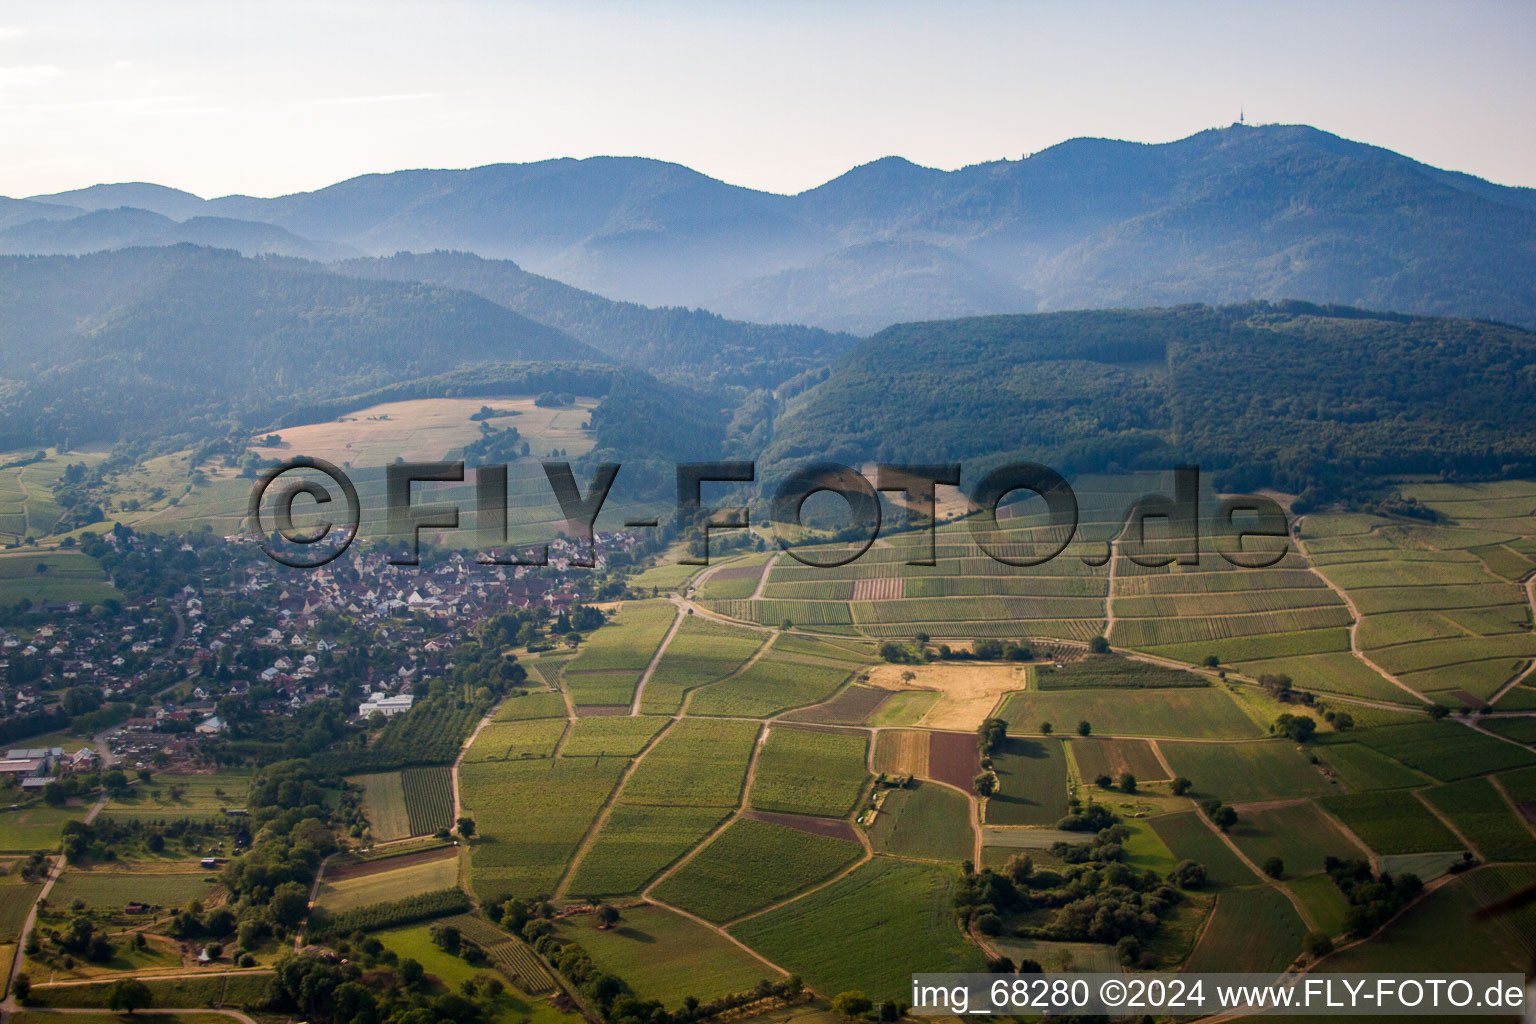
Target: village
(154,677)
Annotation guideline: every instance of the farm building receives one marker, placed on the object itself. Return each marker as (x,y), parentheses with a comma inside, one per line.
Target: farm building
(23,766)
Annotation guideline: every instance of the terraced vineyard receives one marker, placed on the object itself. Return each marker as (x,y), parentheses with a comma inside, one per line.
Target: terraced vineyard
(748,784)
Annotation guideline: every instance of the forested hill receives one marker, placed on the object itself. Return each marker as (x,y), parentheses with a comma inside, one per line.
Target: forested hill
(700,345)
(1291,395)
(1226,215)
(140,341)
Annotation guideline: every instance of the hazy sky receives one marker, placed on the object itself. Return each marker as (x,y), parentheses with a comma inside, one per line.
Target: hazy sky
(266,98)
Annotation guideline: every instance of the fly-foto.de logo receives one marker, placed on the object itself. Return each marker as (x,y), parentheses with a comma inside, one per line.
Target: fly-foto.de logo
(271,510)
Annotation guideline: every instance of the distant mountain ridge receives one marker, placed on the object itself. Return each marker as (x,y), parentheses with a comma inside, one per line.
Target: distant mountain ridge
(139,341)
(1222,216)
(692,342)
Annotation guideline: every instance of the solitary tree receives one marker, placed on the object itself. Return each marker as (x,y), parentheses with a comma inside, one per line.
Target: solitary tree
(1274,867)
(1046,728)
(128,995)
(607,915)
(1084,728)
(1099,645)
(466,827)
(1181,785)
(1127,782)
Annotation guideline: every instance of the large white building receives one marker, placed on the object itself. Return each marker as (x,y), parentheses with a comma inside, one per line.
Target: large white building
(386,705)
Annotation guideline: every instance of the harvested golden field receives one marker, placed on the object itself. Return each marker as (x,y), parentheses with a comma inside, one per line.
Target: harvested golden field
(429,428)
(968,693)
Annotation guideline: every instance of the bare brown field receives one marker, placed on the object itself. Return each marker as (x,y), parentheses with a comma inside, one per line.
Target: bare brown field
(373,867)
(832,828)
(953,758)
(851,707)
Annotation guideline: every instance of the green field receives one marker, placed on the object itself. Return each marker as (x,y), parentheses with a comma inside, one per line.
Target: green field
(1111,672)
(1188,837)
(702,652)
(613,658)
(1334,672)
(906,707)
(168,993)
(800,771)
(1481,814)
(16,900)
(1243,772)
(1445,750)
(169,795)
(1258,648)
(1032,783)
(1299,834)
(68,576)
(1359,767)
(1096,757)
(509,1007)
(531,816)
(159,884)
(337,895)
(1323,900)
(665,956)
(611,735)
(1253,929)
(1439,934)
(538,704)
(384,806)
(514,741)
(697,763)
(774,683)
(637,842)
(751,865)
(35,826)
(925,821)
(683,788)
(1201,713)
(866,931)
(1392,822)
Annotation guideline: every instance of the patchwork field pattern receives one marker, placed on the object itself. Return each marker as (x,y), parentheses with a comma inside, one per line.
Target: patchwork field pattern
(867,929)
(702,652)
(752,864)
(1032,783)
(801,771)
(1392,822)
(613,658)
(1204,713)
(666,956)
(925,822)
(1439,601)
(531,816)
(1096,757)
